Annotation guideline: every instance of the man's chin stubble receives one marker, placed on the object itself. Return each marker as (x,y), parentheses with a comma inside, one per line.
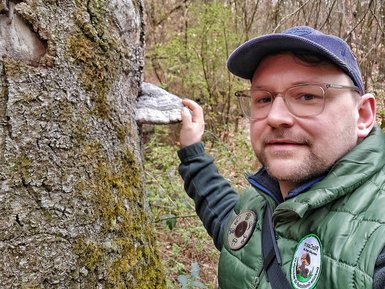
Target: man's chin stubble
(311,167)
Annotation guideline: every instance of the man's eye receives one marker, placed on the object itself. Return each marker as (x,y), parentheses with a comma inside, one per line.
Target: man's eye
(308,97)
(263,99)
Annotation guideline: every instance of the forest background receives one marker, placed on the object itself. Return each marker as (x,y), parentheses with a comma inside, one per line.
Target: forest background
(187,45)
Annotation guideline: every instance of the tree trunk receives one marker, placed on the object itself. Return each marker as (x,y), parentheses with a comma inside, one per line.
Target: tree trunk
(72,208)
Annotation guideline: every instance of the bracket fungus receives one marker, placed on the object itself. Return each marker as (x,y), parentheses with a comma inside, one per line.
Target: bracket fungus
(157,106)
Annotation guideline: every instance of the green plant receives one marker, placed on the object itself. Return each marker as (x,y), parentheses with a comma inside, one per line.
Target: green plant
(191,280)
(181,237)
(194,60)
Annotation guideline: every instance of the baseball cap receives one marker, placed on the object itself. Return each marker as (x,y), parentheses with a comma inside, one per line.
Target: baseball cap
(244,60)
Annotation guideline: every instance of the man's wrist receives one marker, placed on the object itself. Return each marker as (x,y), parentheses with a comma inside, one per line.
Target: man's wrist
(188,152)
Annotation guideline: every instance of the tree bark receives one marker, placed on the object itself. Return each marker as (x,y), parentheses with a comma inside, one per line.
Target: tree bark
(73,212)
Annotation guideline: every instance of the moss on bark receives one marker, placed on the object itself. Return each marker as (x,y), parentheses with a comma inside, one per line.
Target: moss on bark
(118,197)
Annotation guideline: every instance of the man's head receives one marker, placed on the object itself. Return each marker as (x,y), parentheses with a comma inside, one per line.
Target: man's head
(291,146)
(244,60)
(305,259)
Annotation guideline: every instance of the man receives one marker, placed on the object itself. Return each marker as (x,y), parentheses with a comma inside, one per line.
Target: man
(320,191)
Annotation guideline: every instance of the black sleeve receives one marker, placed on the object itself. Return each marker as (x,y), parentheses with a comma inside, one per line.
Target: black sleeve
(213,196)
(379,272)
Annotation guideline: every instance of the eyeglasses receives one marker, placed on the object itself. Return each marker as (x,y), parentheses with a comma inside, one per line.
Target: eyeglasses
(301,100)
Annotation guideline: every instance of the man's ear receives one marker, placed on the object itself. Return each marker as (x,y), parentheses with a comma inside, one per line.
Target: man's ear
(366,115)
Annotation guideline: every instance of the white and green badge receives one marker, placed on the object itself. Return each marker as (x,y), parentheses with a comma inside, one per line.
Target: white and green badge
(306,265)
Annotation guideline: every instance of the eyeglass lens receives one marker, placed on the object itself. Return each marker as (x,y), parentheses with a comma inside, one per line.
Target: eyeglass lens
(306,100)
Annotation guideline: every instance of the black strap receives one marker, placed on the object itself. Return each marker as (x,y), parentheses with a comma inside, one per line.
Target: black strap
(271,256)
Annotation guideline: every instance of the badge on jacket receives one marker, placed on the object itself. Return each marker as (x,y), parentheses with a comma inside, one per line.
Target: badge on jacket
(306,265)
(241,229)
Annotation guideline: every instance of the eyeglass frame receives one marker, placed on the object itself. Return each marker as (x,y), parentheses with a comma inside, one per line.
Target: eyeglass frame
(324,87)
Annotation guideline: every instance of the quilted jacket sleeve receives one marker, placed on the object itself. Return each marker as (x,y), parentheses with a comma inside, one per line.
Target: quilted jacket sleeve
(213,196)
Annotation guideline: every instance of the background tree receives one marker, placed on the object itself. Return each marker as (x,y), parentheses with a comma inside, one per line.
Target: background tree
(72,208)
(188,45)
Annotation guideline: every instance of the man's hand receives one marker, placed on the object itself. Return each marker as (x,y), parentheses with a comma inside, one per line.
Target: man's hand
(193,124)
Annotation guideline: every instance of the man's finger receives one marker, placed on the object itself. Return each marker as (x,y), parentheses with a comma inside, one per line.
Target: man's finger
(186,115)
(195,108)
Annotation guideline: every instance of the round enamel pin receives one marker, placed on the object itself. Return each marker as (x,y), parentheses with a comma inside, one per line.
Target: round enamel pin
(306,265)
(241,229)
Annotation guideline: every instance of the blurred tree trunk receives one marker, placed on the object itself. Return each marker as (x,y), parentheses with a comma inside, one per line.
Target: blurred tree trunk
(72,208)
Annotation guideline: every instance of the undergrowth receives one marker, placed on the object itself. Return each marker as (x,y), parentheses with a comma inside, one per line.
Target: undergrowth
(188,254)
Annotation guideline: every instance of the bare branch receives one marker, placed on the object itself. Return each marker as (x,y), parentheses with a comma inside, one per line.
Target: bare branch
(289,15)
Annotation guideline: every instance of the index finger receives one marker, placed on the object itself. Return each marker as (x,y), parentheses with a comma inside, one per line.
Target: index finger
(195,108)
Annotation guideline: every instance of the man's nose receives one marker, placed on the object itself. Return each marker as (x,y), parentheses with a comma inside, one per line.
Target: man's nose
(279,114)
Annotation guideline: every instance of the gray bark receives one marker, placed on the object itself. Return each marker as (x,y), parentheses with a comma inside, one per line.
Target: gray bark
(72,207)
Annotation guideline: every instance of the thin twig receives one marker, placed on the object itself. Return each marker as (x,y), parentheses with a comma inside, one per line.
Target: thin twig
(358,22)
(289,15)
(328,16)
(174,217)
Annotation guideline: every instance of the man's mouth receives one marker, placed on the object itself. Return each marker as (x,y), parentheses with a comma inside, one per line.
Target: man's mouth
(284,144)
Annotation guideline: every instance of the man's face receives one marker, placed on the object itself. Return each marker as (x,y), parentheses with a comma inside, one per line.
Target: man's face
(294,149)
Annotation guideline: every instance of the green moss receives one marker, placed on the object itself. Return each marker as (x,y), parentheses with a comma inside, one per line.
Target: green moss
(22,166)
(34,286)
(96,51)
(90,253)
(99,55)
(121,132)
(117,194)
(116,190)
(14,67)
(98,70)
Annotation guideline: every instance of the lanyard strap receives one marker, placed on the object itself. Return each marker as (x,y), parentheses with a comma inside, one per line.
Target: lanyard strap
(271,256)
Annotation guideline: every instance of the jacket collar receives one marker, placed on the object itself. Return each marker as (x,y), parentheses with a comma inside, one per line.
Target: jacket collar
(263,181)
(347,174)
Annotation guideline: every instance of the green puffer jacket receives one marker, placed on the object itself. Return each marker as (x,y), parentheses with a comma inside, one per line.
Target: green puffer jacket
(346,211)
